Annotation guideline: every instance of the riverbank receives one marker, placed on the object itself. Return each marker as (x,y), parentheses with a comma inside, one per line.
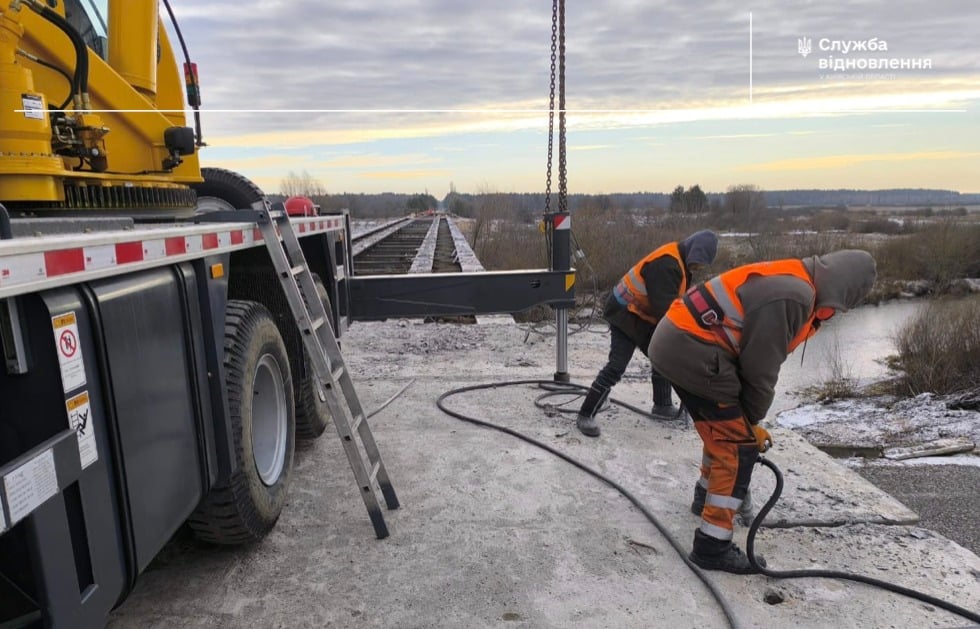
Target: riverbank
(923,450)
(888,290)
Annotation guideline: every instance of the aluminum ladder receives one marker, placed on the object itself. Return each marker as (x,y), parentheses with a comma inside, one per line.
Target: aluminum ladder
(327,363)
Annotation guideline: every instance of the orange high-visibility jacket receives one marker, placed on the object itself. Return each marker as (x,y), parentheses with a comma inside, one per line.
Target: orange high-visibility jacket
(632,290)
(727,330)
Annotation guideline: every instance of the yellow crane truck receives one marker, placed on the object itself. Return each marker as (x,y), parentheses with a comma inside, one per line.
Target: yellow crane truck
(153,372)
(156,317)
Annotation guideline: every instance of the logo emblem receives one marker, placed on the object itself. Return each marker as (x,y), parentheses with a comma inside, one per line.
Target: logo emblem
(804,46)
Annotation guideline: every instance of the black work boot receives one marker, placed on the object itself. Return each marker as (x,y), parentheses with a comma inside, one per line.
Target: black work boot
(663,405)
(715,554)
(587,426)
(586,416)
(667,411)
(700,495)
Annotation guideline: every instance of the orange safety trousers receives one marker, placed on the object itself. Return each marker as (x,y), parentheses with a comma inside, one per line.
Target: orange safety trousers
(728,458)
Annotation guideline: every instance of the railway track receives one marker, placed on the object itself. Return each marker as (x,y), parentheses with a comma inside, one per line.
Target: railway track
(415,245)
(434,245)
(445,259)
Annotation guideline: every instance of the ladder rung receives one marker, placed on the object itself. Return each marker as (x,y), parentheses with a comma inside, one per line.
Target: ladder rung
(374,471)
(357,423)
(336,373)
(296,270)
(317,323)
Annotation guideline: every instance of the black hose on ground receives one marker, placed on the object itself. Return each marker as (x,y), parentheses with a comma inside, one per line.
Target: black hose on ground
(555,389)
(833,574)
(753,529)
(681,551)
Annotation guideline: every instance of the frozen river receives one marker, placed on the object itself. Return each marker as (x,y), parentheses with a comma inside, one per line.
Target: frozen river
(863,338)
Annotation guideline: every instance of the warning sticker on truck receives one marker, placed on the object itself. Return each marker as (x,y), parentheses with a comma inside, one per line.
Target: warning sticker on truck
(33,106)
(69,351)
(28,486)
(80,419)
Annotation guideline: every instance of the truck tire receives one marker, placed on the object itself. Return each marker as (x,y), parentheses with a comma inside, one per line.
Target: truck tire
(224,189)
(260,407)
(312,414)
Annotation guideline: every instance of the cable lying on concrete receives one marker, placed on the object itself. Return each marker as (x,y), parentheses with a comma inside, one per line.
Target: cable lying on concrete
(681,551)
(833,574)
(391,399)
(556,388)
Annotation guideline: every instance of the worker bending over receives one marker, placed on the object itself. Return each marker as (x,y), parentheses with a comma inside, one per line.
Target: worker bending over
(721,346)
(633,309)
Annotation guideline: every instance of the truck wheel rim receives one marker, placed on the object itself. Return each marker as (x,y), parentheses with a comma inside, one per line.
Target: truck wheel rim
(206,205)
(269,420)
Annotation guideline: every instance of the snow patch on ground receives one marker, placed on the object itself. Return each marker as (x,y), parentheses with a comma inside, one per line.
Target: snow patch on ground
(885,422)
(968,460)
(811,414)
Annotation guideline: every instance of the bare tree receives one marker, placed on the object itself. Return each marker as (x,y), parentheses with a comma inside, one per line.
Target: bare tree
(748,204)
(303,184)
(745,200)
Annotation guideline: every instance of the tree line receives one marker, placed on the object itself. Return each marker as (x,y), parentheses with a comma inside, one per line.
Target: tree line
(739,200)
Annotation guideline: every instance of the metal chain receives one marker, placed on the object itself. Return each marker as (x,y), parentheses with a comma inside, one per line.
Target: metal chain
(551,104)
(562,164)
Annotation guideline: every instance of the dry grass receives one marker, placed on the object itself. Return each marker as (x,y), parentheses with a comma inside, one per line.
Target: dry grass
(939,251)
(939,349)
(839,381)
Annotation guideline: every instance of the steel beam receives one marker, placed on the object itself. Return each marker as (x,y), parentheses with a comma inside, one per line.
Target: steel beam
(375,297)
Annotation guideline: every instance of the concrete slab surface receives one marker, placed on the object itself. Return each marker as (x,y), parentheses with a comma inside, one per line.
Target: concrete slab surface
(496,532)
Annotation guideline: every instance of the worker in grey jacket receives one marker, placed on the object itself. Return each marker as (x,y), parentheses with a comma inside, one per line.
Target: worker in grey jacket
(635,305)
(721,346)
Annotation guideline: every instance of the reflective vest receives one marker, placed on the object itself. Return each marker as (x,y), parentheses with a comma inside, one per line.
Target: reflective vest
(631,291)
(713,312)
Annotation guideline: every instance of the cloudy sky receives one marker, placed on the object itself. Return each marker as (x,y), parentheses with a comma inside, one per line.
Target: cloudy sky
(414,95)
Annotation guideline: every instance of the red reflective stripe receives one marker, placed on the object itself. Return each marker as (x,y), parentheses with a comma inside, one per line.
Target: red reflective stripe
(256,234)
(175,246)
(209,241)
(237,237)
(129,252)
(64,261)
(302,228)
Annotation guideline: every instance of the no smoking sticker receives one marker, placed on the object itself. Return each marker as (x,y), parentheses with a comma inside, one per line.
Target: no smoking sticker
(69,351)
